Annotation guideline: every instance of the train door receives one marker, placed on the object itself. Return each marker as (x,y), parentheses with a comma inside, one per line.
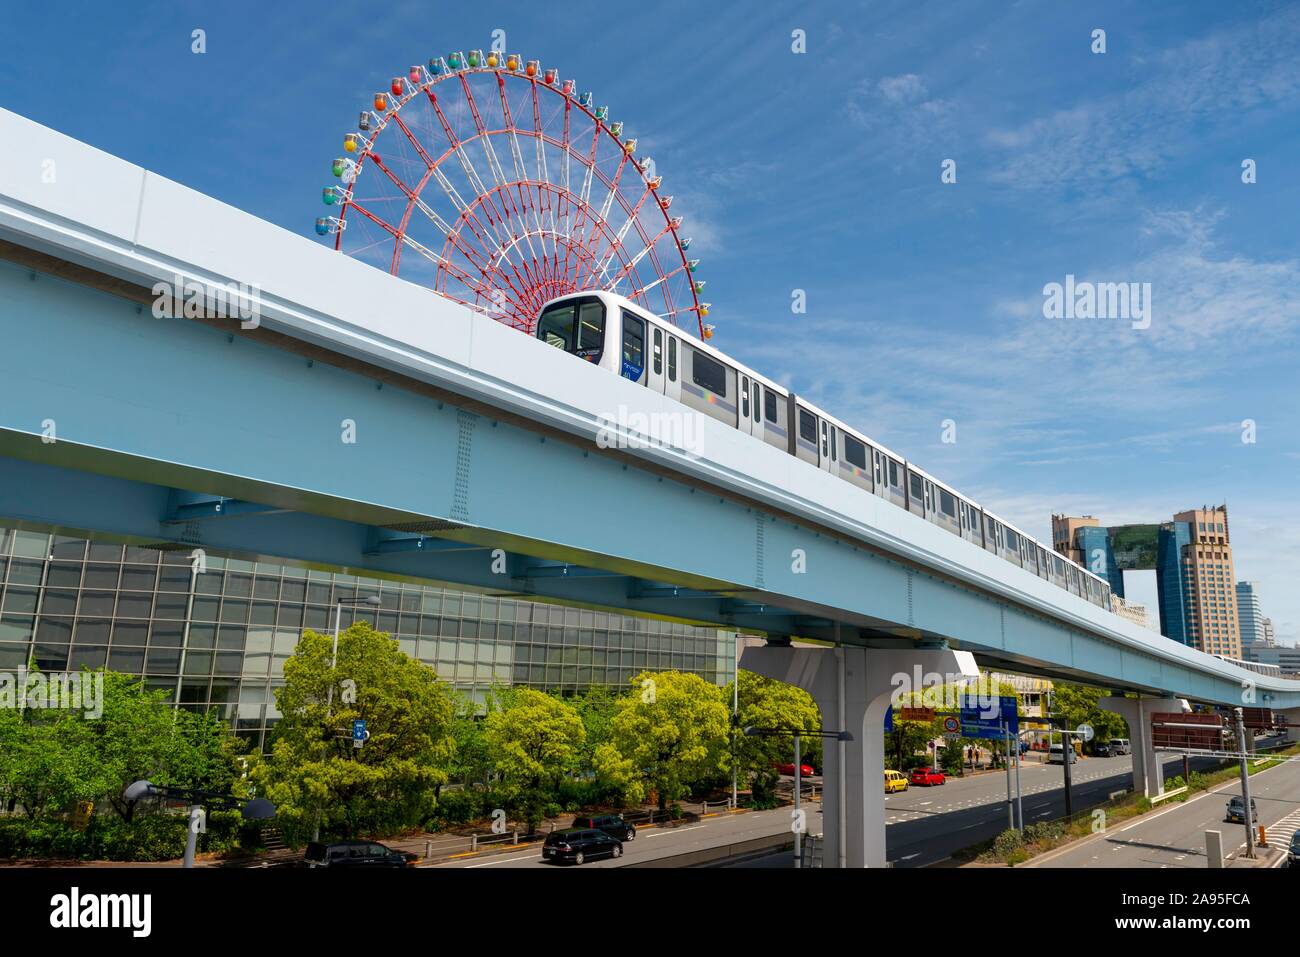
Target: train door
(825,445)
(656,378)
(673,384)
(745,421)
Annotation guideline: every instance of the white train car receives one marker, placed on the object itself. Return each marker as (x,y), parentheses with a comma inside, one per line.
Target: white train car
(625,339)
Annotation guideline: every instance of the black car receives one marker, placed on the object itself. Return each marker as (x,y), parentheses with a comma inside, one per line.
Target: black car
(611,824)
(1101,750)
(1237,810)
(579,844)
(355,854)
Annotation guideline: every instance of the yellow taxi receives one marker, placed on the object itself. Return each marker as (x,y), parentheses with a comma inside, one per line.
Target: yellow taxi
(894,782)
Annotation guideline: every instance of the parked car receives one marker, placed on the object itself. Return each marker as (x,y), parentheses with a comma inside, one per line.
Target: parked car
(579,845)
(894,781)
(1237,810)
(805,770)
(1056,755)
(1293,853)
(1102,749)
(356,854)
(611,824)
(927,776)
(1120,746)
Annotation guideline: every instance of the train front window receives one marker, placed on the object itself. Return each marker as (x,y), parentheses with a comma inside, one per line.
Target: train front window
(555,327)
(576,326)
(591,329)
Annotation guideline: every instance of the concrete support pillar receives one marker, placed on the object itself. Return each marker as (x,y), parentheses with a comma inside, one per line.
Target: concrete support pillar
(1148,772)
(1292,717)
(852,688)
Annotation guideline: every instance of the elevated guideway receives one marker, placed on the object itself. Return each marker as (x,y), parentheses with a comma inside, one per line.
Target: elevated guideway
(474,457)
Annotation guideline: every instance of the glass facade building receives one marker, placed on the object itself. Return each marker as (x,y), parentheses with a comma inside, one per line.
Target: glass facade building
(219,637)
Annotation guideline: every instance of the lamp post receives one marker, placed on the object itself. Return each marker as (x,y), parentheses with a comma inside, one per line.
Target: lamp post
(254,809)
(797,733)
(334,663)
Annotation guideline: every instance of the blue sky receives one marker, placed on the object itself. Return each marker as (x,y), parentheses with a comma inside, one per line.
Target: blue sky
(821,172)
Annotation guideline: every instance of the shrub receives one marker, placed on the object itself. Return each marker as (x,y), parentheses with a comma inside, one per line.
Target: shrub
(1008,841)
(1044,831)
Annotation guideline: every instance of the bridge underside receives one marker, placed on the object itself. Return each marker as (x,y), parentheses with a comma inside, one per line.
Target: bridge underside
(175,433)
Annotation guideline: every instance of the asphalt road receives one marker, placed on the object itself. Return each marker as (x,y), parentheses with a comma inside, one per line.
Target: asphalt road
(1176,837)
(926,825)
(660,841)
(923,825)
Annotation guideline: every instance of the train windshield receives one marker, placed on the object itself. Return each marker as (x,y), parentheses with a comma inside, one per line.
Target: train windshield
(576,326)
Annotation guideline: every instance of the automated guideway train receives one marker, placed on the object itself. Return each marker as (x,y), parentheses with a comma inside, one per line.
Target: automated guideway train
(623,338)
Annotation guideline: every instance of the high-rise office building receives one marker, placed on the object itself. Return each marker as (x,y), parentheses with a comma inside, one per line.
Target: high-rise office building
(218,638)
(1207,568)
(1192,558)
(1250,622)
(1267,634)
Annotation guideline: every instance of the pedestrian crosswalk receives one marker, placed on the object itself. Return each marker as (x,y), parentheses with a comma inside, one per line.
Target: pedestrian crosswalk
(1279,834)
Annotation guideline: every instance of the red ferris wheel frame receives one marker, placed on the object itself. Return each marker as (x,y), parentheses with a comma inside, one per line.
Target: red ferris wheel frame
(483,262)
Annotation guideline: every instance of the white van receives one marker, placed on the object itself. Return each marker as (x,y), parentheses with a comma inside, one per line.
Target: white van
(1120,746)
(1056,755)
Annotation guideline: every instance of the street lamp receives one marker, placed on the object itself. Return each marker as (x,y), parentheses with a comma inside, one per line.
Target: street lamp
(796,733)
(372,600)
(253,809)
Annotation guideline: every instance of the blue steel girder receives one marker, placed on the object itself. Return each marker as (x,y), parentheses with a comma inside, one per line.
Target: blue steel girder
(250,417)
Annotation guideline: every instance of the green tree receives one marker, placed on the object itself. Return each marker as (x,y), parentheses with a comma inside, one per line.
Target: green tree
(596,706)
(532,743)
(389,782)
(50,759)
(767,703)
(671,730)
(1078,704)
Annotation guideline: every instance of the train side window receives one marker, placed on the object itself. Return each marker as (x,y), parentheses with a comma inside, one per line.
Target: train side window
(835,441)
(672,358)
(744,397)
(855,453)
(756,416)
(633,342)
(1012,541)
(709,374)
(659,352)
(947,504)
(769,405)
(918,487)
(893,475)
(807,427)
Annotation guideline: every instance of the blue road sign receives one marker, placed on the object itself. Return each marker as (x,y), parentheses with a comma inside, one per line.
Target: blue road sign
(359,730)
(993,723)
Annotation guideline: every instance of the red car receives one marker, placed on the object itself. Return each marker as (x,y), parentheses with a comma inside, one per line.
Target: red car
(927,776)
(805,770)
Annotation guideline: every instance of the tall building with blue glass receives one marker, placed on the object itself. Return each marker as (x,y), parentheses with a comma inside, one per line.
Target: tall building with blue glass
(1192,558)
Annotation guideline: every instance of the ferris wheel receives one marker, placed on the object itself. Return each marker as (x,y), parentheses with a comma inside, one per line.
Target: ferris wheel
(497,184)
